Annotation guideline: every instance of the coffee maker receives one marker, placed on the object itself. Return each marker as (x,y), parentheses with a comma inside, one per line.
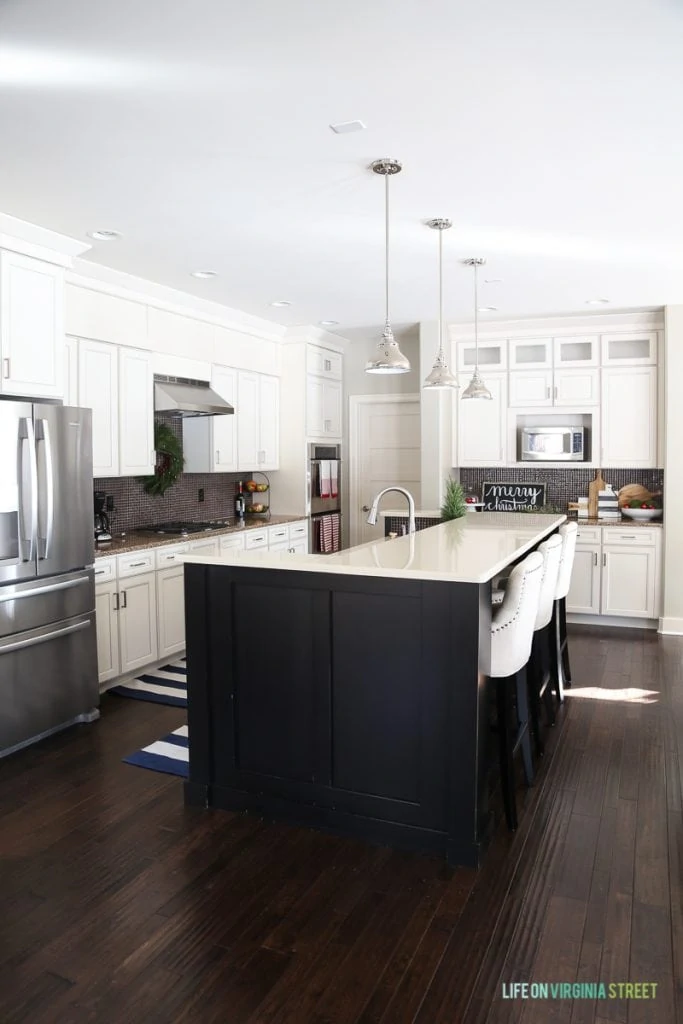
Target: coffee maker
(102,532)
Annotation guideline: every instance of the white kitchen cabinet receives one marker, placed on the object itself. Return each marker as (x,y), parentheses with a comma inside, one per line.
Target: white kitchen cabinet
(210,442)
(492,355)
(209,546)
(531,353)
(482,425)
(231,542)
(98,389)
(117,384)
(529,388)
(324,362)
(576,387)
(323,408)
(137,621)
(31,326)
(107,623)
(629,416)
(578,352)
(584,592)
(136,413)
(269,423)
(171,610)
(70,371)
(258,408)
(629,349)
(629,581)
(89,313)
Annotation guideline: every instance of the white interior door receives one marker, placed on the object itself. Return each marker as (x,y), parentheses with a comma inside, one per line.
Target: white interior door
(385,452)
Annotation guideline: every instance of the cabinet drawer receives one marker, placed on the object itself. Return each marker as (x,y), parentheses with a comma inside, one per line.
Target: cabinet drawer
(634,536)
(298,530)
(204,547)
(256,539)
(278,533)
(105,570)
(232,542)
(323,362)
(588,535)
(166,557)
(135,563)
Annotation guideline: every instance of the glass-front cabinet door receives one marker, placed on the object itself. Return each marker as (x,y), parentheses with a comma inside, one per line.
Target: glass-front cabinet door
(531,353)
(492,355)
(577,352)
(630,349)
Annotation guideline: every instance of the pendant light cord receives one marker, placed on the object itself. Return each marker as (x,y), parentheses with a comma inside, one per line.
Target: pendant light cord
(476,319)
(386,253)
(441,293)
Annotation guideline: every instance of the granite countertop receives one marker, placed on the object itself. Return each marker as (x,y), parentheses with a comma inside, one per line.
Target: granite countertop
(472,549)
(136,540)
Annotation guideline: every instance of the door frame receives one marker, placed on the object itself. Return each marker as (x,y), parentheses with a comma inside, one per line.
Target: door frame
(356,402)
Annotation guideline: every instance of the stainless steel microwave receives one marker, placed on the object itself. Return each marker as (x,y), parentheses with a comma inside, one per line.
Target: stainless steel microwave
(553,444)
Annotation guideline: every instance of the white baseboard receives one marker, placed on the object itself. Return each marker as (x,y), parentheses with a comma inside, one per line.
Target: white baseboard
(612,620)
(671,626)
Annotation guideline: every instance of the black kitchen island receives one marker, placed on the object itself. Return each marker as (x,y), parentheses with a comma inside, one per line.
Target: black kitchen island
(349,692)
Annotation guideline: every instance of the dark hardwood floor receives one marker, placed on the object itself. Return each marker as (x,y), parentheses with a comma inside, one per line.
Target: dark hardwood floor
(117,904)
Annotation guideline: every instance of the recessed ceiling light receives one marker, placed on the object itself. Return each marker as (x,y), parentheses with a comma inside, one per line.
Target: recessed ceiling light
(596,302)
(104,236)
(281,302)
(328,323)
(203,273)
(493,280)
(344,127)
(487,309)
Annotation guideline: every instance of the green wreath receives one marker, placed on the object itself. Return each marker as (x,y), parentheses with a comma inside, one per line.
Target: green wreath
(169,463)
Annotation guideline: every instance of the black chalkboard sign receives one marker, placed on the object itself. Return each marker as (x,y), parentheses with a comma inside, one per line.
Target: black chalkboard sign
(512,497)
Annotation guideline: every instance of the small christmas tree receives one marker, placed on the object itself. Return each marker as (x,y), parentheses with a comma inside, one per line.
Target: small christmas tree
(454,505)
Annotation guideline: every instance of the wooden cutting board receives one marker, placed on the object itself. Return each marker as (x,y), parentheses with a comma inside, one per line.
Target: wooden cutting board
(594,486)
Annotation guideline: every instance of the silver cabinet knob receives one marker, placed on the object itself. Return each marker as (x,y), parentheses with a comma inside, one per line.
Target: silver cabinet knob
(365,508)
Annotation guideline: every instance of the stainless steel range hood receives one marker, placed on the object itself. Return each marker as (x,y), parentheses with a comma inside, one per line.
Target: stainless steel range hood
(179,396)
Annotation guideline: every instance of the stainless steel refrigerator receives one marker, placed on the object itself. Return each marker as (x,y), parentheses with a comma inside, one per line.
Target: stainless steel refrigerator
(48,644)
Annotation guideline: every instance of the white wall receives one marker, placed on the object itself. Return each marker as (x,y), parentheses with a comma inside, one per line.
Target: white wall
(672,619)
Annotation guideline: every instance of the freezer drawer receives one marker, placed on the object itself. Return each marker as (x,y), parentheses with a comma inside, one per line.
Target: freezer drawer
(48,679)
(38,603)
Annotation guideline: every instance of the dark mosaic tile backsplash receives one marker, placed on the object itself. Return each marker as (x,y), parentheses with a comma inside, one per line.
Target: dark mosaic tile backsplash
(563,485)
(133,507)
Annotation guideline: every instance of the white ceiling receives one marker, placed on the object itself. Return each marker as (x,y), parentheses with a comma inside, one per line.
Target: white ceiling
(550,134)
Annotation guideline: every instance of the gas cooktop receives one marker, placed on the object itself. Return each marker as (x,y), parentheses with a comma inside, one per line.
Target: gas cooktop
(181,527)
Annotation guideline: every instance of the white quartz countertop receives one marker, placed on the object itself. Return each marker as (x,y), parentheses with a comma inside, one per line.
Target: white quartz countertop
(472,549)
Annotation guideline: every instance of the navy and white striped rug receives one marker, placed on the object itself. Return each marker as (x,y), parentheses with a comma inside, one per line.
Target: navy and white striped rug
(165,685)
(169,754)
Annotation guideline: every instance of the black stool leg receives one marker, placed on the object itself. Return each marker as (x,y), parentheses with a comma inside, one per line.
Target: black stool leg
(556,653)
(505,747)
(534,676)
(523,717)
(564,644)
(547,677)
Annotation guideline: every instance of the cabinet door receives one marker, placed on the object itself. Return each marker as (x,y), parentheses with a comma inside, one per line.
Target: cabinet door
(299,547)
(629,580)
(248,420)
(31,326)
(581,351)
(531,354)
(629,416)
(107,623)
(629,349)
(332,409)
(138,621)
(171,610)
(136,413)
(315,406)
(323,362)
(224,448)
(71,371)
(269,423)
(576,387)
(98,390)
(481,430)
(527,388)
(584,591)
(492,355)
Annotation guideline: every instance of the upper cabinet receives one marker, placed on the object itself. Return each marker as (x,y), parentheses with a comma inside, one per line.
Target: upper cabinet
(178,335)
(531,354)
(93,314)
(482,426)
(117,384)
(638,349)
(31,326)
(629,416)
(576,353)
(492,355)
(210,442)
(323,393)
(258,428)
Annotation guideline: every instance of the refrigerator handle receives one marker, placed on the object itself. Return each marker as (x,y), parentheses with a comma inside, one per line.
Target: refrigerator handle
(47,488)
(28,449)
(9,645)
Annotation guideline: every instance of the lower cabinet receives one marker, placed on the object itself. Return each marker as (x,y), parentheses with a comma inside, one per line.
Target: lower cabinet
(107,621)
(171,610)
(616,572)
(137,621)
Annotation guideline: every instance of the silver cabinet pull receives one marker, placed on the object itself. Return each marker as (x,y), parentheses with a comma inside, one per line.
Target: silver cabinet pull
(116,601)
(595,558)
(328,364)
(547,392)
(218,455)
(136,565)
(100,572)
(604,559)
(556,391)
(5,368)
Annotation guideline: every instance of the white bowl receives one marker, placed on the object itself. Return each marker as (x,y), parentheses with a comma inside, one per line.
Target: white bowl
(642,513)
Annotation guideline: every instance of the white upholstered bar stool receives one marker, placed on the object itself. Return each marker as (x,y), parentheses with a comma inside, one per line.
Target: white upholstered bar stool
(558,629)
(542,680)
(512,631)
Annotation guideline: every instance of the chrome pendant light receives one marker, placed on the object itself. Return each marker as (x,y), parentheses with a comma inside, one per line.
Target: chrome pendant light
(476,387)
(388,358)
(440,377)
